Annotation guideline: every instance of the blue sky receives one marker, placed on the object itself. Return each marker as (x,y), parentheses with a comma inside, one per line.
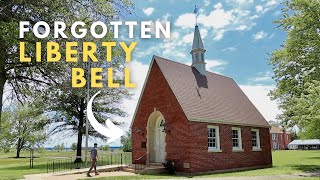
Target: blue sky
(237,34)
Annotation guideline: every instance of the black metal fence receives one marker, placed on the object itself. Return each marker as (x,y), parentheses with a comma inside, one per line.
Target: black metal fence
(65,164)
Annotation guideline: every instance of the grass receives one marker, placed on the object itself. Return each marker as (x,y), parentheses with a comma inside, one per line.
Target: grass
(15,168)
(284,162)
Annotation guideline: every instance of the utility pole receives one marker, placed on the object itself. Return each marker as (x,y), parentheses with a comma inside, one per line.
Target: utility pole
(87,123)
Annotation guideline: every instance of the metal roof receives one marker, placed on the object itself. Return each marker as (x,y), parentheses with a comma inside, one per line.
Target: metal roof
(197,41)
(306,142)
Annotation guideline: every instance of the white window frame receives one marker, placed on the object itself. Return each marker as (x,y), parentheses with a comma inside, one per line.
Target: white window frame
(258,147)
(287,136)
(274,136)
(239,148)
(217,131)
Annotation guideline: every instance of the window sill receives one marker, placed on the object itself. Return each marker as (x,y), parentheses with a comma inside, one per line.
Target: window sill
(214,150)
(256,149)
(237,150)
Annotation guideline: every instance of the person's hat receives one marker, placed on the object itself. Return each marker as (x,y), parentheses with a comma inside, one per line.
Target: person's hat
(95,144)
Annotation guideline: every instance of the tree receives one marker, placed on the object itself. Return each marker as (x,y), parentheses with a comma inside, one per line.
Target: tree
(59,147)
(297,67)
(25,78)
(68,104)
(23,127)
(74,146)
(294,135)
(126,142)
(105,148)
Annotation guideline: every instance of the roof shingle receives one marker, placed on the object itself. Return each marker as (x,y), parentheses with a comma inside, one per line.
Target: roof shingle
(211,98)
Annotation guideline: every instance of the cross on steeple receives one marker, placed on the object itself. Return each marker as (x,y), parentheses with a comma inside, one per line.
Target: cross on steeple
(195,11)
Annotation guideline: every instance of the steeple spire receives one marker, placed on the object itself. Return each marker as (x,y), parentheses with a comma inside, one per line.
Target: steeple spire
(198,50)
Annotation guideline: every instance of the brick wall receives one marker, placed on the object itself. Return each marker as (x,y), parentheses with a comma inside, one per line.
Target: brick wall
(157,94)
(281,140)
(202,160)
(187,141)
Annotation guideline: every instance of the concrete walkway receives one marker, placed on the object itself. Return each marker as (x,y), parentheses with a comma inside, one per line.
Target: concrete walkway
(105,171)
(121,173)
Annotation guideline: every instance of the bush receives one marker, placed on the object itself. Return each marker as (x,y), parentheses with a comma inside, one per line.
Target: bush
(170,166)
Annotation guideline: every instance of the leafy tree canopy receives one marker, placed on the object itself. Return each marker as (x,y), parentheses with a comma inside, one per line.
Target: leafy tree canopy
(297,67)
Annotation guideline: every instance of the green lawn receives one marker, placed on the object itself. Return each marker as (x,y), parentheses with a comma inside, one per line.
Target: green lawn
(285,162)
(15,168)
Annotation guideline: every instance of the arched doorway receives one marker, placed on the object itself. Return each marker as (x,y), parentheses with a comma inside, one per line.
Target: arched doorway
(156,148)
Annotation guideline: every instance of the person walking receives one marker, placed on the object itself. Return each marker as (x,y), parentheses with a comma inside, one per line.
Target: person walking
(94,157)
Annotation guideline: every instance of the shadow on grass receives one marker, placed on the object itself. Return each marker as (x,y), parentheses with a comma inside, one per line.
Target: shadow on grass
(24,157)
(314,157)
(26,167)
(306,168)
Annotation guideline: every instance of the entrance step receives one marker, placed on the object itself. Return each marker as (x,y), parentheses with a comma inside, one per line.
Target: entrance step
(155,164)
(128,169)
(154,168)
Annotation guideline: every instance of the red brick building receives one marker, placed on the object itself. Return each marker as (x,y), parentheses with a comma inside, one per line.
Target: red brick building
(200,120)
(279,138)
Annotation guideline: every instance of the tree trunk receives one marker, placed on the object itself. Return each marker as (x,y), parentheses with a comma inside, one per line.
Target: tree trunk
(80,132)
(3,79)
(18,148)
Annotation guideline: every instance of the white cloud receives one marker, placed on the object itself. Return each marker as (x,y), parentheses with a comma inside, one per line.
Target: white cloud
(188,38)
(218,6)
(272,35)
(206,2)
(219,35)
(186,20)
(148,11)
(260,35)
(229,49)
(259,97)
(259,8)
(271,2)
(213,65)
(217,19)
(220,19)
(240,2)
(262,77)
(244,1)
(242,27)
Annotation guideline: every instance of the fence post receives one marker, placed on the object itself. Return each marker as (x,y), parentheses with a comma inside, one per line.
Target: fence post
(121,158)
(111,159)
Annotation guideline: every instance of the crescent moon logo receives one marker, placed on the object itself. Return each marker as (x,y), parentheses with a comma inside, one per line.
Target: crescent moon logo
(111,131)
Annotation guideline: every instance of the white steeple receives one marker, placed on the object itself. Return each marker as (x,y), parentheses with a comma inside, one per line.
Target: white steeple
(198,50)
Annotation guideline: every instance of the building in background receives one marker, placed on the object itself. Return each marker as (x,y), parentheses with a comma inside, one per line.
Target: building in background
(279,138)
(309,144)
